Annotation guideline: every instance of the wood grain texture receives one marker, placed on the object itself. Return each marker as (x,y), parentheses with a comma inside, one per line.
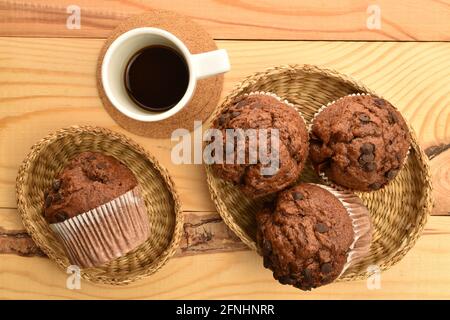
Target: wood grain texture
(13,237)
(203,232)
(240,19)
(207,233)
(440,171)
(423,274)
(46,84)
(19,243)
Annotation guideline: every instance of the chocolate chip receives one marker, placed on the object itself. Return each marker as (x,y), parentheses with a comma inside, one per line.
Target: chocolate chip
(282,279)
(391,174)
(304,287)
(367,148)
(57,197)
(56,185)
(392,118)
(379,102)
(101,165)
(321,227)
(48,201)
(307,276)
(375,186)
(369,166)
(364,158)
(61,216)
(326,268)
(235,114)
(266,262)
(221,119)
(267,247)
(287,280)
(298,196)
(364,118)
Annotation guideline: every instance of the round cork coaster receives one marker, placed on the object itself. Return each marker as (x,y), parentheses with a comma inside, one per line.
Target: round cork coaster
(207,92)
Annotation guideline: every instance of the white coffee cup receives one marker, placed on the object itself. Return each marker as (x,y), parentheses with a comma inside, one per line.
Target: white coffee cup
(122,49)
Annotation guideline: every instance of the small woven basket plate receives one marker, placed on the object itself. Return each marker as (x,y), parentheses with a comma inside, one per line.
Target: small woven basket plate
(398,211)
(49,156)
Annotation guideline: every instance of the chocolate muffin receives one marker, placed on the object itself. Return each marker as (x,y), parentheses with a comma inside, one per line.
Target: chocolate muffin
(88,181)
(305,239)
(359,142)
(263,111)
(95,208)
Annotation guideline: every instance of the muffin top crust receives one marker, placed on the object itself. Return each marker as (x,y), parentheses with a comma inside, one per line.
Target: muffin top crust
(306,237)
(359,142)
(88,181)
(261,111)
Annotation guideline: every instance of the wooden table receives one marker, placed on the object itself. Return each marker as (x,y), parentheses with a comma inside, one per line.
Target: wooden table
(47,81)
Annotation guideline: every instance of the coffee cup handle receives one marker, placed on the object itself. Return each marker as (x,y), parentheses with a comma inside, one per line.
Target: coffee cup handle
(210,63)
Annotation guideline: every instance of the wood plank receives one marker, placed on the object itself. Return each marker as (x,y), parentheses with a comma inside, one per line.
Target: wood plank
(46,84)
(203,232)
(10,222)
(440,171)
(269,19)
(422,274)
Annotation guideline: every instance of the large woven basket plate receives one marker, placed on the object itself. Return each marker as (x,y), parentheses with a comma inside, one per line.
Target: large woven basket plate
(398,212)
(49,156)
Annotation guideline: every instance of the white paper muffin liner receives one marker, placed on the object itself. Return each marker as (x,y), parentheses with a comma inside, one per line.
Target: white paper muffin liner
(322,175)
(362,226)
(106,232)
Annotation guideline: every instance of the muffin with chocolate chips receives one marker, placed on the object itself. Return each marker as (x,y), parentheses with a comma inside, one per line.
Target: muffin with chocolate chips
(262,111)
(359,142)
(95,208)
(90,179)
(312,234)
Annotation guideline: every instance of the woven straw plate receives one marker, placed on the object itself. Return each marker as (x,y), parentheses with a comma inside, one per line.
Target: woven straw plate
(49,156)
(398,212)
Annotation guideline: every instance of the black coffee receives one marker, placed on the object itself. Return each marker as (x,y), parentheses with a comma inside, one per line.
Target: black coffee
(156,78)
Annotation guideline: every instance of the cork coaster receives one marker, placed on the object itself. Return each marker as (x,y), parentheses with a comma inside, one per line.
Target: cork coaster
(207,92)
